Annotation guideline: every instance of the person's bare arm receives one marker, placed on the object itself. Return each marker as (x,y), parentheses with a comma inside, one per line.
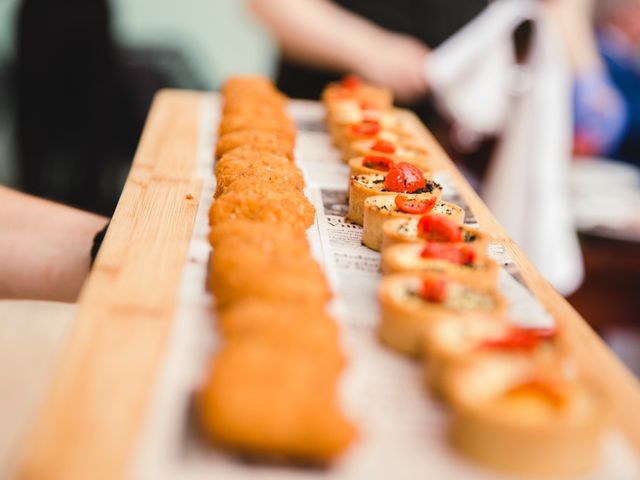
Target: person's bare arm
(44,247)
(323,35)
(575,19)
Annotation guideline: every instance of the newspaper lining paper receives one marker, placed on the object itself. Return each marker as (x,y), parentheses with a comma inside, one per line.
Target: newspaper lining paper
(403,431)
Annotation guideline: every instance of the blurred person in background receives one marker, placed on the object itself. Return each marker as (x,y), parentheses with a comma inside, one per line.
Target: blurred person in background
(384,42)
(73,108)
(607,90)
(47,251)
(81,103)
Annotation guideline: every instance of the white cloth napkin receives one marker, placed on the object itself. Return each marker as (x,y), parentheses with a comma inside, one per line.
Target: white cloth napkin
(478,83)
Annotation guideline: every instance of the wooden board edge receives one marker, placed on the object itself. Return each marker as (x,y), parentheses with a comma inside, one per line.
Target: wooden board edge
(90,415)
(593,357)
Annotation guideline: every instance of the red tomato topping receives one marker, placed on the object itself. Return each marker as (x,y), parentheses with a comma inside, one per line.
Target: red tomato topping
(378,163)
(415,206)
(366,128)
(368,105)
(351,82)
(439,228)
(521,338)
(384,146)
(458,253)
(434,290)
(404,177)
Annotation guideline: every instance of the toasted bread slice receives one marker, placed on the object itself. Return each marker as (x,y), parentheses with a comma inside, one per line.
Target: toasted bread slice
(407,257)
(405,230)
(512,413)
(357,166)
(407,313)
(365,186)
(403,151)
(382,208)
(454,341)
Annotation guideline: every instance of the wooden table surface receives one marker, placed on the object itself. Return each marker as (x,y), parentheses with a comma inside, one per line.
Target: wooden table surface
(94,405)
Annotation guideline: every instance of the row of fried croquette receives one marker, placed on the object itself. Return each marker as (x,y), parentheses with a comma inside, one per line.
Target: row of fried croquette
(256,178)
(514,405)
(272,391)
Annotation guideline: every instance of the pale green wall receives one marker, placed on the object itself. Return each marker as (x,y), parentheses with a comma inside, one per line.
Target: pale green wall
(7,14)
(218,37)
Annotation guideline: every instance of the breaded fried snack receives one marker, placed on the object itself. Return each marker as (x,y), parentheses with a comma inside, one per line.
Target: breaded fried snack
(256,105)
(267,237)
(274,402)
(265,123)
(411,303)
(237,273)
(279,322)
(272,171)
(289,210)
(247,83)
(267,142)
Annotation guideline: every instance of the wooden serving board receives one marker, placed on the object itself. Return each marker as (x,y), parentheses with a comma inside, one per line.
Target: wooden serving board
(92,413)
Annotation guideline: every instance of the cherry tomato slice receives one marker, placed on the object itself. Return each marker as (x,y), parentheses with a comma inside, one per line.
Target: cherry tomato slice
(521,338)
(434,290)
(439,228)
(378,163)
(457,253)
(384,146)
(367,128)
(351,82)
(404,177)
(415,206)
(368,105)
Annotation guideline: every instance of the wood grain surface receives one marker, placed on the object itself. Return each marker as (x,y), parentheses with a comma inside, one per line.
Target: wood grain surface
(88,422)
(593,357)
(87,425)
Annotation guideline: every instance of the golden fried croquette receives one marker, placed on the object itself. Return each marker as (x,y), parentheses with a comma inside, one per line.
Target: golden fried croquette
(265,236)
(262,141)
(273,171)
(271,285)
(248,152)
(274,401)
(264,123)
(266,271)
(258,106)
(247,83)
(273,182)
(289,210)
(278,322)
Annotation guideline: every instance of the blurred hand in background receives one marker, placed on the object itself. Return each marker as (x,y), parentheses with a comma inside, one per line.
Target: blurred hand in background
(325,36)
